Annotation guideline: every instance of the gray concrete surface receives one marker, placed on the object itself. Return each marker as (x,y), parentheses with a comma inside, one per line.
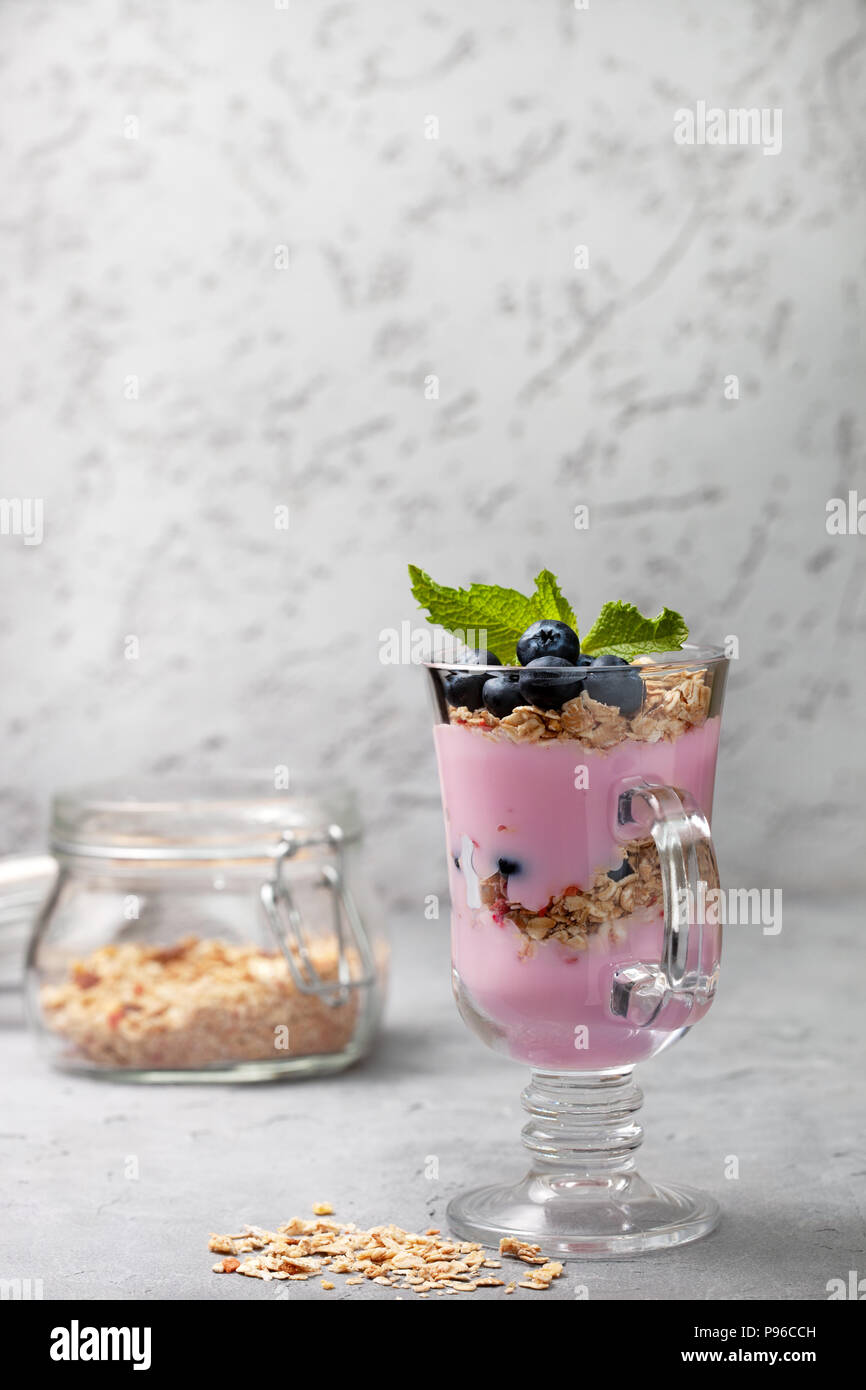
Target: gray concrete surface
(773,1077)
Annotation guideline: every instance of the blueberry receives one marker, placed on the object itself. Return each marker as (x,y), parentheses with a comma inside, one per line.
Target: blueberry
(507,867)
(484,658)
(548,681)
(548,637)
(611,681)
(607,659)
(465,688)
(622,872)
(502,694)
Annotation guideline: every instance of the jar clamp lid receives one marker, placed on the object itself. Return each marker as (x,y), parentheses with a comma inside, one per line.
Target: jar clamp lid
(171,822)
(277,895)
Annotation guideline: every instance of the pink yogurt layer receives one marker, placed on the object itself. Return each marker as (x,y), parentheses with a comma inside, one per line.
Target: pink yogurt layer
(519,802)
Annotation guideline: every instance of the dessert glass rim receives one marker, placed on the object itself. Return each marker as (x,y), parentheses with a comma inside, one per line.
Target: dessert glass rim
(689,655)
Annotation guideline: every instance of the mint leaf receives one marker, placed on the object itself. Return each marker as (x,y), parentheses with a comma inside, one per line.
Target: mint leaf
(502,613)
(549,602)
(622,630)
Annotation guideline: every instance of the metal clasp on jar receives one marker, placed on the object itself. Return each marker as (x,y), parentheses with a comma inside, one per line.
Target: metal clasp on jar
(286,922)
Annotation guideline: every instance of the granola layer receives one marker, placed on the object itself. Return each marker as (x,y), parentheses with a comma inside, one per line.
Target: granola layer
(674,701)
(193,1004)
(575,914)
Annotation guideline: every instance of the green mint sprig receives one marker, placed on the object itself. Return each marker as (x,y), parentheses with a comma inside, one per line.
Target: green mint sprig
(504,614)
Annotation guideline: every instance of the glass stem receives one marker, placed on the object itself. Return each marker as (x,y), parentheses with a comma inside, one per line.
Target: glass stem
(582,1124)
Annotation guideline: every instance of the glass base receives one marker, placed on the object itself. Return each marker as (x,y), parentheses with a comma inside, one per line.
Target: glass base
(572,1218)
(583,1196)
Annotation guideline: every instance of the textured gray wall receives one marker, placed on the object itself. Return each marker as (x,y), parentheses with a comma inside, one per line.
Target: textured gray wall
(154,257)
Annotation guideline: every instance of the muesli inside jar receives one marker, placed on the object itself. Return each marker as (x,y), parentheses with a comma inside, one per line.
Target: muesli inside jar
(206,935)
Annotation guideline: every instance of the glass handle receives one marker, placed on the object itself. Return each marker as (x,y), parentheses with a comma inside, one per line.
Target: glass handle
(687,858)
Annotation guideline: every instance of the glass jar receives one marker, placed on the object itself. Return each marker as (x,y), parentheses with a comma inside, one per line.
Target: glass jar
(206,937)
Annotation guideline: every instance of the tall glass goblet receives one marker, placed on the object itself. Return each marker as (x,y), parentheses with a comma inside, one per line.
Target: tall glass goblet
(578,842)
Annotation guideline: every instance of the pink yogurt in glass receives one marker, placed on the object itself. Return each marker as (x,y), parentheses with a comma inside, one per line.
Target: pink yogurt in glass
(550,809)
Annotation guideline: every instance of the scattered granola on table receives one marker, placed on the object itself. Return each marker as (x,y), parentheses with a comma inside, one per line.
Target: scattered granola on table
(194,1003)
(300,1250)
(521,1250)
